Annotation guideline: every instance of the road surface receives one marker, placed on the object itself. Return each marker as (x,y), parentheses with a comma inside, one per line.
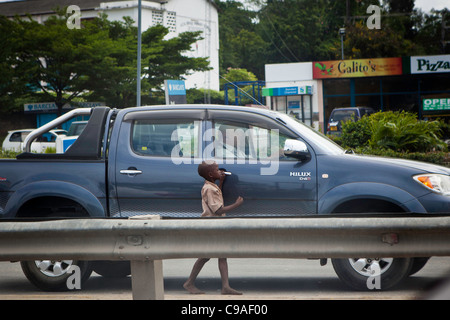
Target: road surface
(258,279)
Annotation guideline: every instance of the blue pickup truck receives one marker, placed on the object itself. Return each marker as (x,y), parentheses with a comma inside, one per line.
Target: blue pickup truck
(144,161)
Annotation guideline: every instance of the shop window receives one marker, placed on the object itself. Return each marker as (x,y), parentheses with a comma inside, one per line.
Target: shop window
(435,82)
(399,102)
(331,103)
(338,86)
(367,85)
(280,104)
(370,101)
(400,84)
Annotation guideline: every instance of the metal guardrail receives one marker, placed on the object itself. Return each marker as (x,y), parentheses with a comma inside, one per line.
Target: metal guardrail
(146,242)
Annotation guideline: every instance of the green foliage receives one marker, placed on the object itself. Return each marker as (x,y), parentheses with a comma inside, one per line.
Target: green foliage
(6,154)
(356,134)
(198,96)
(281,31)
(241,46)
(237,74)
(50,62)
(401,131)
(396,134)
(50,150)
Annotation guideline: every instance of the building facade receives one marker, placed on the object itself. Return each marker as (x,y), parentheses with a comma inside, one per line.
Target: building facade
(415,84)
(177,15)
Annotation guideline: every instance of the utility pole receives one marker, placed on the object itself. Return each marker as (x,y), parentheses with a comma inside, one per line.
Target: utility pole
(445,14)
(207,40)
(138,78)
(347,13)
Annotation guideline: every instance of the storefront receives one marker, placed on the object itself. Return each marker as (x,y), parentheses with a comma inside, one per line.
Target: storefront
(291,89)
(415,84)
(47,111)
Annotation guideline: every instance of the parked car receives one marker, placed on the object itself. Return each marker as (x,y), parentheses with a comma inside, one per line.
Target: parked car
(64,142)
(76,128)
(144,161)
(15,138)
(341,115)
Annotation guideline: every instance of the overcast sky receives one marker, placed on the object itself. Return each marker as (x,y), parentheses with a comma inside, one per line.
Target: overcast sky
(425,5)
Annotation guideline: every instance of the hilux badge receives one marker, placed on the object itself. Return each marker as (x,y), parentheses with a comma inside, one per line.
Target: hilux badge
(303,176)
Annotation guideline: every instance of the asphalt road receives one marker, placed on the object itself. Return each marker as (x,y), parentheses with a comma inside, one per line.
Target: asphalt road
(258,279)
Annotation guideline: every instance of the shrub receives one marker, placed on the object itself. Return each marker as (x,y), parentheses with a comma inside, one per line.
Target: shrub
(401,131)
(356,134)
(396,134)
(6,154)
(398,131)
(50,150)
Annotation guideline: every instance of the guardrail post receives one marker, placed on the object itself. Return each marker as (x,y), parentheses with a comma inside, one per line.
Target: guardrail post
(147,280)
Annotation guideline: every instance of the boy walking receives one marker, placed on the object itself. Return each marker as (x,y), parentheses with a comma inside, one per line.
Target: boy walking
(213,206)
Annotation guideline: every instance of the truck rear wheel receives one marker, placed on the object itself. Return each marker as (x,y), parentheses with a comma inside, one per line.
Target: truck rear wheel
(112,269)
(372,273)
(52,275)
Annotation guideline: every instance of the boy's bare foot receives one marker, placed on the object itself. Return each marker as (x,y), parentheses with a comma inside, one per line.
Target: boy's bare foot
(231,291)
(192,289)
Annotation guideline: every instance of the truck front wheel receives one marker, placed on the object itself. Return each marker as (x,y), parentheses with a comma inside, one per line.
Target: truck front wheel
(52,275)
(372,273)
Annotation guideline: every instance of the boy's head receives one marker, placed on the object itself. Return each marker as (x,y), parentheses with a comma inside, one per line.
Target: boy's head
(207,168)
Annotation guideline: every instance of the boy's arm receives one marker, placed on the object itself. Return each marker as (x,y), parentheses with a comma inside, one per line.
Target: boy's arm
(233,206)
(222,178)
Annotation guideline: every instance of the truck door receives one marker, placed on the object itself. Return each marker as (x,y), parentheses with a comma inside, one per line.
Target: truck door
(250,146)
(156,163)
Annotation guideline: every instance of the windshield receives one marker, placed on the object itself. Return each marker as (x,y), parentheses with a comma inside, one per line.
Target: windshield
(343,115)
(312,136)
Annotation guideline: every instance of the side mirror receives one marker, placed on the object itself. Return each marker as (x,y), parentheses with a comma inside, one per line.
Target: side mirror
(296,149)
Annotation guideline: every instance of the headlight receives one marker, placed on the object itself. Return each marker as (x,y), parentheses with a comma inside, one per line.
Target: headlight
(436,182)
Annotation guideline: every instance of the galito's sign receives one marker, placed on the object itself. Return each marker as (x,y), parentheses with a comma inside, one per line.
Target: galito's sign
(357,68)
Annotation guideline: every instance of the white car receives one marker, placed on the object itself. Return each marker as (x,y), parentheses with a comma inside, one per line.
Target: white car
(15,138)
(64,142)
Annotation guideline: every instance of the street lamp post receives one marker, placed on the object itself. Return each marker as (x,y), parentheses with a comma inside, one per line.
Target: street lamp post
(342,34)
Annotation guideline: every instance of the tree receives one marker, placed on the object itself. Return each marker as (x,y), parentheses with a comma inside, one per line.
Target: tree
(402,20)
(97,61)
(11,85)
(361,43)
(57,61)
(280,31)
(430,32)
(166,59)
(300,30)
(244,93)
(240,45)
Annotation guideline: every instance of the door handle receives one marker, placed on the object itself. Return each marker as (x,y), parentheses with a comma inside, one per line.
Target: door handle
(131,171)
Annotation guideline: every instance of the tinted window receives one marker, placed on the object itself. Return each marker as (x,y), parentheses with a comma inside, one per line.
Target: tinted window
(16,137)
(234,140)
(163,138)
(343,115)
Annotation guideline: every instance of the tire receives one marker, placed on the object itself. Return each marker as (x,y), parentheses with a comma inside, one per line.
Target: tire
(49,275)
(112,269)
(417,265)
(355,272)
